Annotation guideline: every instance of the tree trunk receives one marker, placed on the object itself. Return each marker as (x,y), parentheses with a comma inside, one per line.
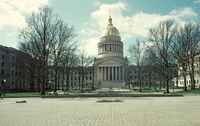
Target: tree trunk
(192,74)
(68,73)
(185,82)
(58,81)
(82,78)
(140,81)
(56,78)
(160,85)
(150,78)
(167,86)
(184,77)
(43,78)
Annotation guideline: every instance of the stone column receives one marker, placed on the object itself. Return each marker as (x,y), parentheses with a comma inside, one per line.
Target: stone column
(122,73)
(108,73)
(106,70)
(103,73)
(116,73)
(119,73)
(113,72)
(100,73)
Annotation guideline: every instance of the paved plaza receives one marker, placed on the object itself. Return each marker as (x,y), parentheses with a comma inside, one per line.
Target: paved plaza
(163,111)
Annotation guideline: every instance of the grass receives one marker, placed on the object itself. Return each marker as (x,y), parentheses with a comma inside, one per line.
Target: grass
(190,92)
(147,92)
(196,91)
(22,94)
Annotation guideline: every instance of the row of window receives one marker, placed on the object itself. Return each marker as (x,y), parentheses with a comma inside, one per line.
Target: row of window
(111,38)
(110,47)
(188,82)
(79,78)
(10,57)
(3,72)
(76,77)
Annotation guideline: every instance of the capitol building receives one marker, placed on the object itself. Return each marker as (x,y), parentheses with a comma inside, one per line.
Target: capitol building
(110,64)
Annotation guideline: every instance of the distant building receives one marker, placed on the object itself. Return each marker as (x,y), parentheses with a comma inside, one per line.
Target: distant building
(179,81)
(15,71)
(151,76)
(73,78)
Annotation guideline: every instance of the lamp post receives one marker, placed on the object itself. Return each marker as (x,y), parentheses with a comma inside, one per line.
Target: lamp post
(4,82)
(1,87)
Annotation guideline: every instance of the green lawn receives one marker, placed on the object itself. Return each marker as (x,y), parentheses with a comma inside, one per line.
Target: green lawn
(144,91)
(22,94)
(191,92)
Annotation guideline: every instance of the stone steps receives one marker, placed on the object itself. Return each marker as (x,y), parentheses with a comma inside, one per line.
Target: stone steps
(112,84)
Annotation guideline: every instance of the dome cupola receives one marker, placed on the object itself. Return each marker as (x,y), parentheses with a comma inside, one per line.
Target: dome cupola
(111,30)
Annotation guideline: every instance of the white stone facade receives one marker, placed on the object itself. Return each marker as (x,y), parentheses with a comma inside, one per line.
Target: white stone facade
(179,81)
(110,65)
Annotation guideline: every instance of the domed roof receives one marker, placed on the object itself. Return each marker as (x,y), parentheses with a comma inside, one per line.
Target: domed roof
(111,30)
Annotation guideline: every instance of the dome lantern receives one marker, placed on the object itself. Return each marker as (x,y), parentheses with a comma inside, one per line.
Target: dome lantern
(110,20)
(111,30)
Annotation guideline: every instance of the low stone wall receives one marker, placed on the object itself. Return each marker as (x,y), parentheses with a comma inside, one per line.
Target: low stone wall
(99,94)
(88,95)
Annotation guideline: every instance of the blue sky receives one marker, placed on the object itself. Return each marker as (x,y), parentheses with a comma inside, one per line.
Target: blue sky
(133,18)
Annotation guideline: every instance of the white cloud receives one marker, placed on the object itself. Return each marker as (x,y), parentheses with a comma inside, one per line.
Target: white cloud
(129,26)
(197,1)
(12,17)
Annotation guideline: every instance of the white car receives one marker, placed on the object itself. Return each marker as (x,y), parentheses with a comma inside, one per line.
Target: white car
(60,92)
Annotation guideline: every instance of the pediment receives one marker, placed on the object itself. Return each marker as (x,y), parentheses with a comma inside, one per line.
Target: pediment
(110,61)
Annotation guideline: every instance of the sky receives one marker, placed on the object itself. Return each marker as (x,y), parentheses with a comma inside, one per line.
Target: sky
(133,18)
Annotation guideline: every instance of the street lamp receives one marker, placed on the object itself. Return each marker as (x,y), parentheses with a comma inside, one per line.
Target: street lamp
(4,81)
(2,84)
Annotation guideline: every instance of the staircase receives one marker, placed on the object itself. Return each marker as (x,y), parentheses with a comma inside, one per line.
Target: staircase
(112,84)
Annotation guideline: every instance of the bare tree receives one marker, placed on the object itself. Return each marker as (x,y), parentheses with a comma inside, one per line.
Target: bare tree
(192,36)
(45,38)
(136,52)
(69,60)
(150,63)
(180,48)
(63,43)
(161,37)
(84,61)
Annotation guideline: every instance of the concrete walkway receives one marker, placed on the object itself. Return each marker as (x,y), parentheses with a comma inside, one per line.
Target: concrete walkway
(162,111)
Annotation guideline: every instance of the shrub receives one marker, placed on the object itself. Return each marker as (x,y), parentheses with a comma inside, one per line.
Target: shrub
(109,100)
